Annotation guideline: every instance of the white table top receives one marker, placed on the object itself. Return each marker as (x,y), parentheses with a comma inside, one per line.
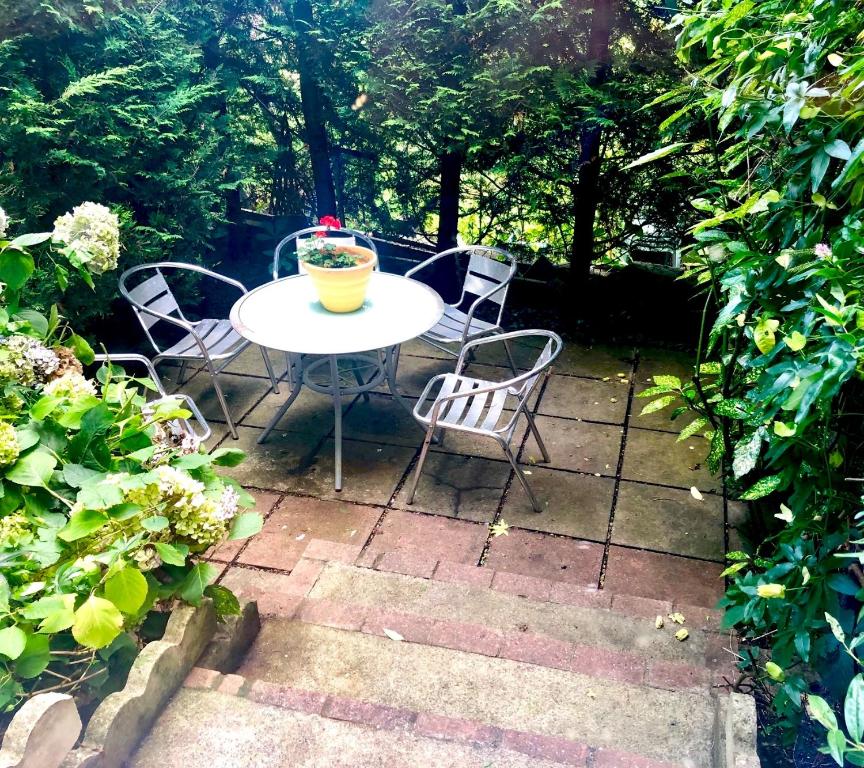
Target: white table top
(286,315)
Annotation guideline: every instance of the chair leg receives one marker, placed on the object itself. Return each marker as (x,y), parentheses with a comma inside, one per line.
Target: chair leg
(269,366)
(180,379)
(522,479)
(536,432)
(420,462)
(214,377)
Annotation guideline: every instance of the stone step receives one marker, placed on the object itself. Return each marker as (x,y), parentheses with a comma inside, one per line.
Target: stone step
(622,644)
(606,713)
(208,729)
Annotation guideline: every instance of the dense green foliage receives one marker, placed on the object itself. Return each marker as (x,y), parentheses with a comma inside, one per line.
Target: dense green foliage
(781,250)
(105,499)
(179,114)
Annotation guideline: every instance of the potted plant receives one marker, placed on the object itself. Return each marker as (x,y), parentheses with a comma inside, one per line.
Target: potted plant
(339,271)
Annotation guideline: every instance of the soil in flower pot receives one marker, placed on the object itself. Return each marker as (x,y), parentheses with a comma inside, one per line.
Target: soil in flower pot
(341,274)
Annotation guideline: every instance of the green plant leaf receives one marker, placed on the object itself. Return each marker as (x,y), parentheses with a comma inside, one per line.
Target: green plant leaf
(15,268)
(245,525)
(764,334)
(191,589)
(657,154)
(836,745)
(83,351)
(796,341)
(155,523)
(170,554)
(97,622)
(658,404)
(33,469)
(853,708)
(82,524)
(819,710)
(224,600)
(127,589)
(762,487)
(35,658)
(13,640)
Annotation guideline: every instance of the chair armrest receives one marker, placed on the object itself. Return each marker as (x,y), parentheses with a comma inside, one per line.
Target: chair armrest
(130,357)
(423,264)
(207,272)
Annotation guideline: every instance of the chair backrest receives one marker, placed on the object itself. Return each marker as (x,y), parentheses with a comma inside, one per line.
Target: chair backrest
(150,296)
(296,239)
(487,269)
(544,361)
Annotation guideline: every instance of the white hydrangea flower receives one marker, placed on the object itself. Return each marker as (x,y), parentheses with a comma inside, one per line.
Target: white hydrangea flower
(228,503)
(26,360)
(4,223)
(72,385)
(9,447)
(93,230)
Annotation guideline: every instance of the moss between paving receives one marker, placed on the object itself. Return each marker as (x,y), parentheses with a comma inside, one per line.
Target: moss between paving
(203,728)
(508,694)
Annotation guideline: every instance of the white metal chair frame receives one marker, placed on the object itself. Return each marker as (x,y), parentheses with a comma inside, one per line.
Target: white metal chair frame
(487,276)
(200,435)
(295,363)
(463,402)
(153,301)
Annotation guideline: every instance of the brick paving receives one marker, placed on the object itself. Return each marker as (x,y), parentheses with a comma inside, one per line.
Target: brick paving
(618,512)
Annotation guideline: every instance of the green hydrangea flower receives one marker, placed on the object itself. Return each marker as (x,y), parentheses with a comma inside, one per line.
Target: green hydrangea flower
(93,232)
(14,530)
(9,448)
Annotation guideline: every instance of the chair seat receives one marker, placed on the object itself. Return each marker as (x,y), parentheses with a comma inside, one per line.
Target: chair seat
(476,413)
(452,325)
(218,336)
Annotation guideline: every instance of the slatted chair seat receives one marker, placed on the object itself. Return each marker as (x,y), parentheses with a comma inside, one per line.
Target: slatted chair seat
(218,336)
(208,340)
(456,325)
(459,402)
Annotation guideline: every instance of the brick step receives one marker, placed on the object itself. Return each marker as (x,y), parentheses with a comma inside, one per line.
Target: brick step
(433,740)
(593,634)
(501,693)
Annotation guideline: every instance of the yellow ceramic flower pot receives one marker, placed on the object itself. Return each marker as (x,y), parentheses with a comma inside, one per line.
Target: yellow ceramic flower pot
(343,289)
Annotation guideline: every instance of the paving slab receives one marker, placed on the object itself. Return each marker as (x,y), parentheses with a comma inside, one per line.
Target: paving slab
(505,612)
(241,393)
(454,485)
(298,520)
(669,520)
(594,361)
(278,464)
(576,398)
(664,577)
(250,362)
(437,538)
(370,471)
(227,732)
(572,504)
(382,419)
(656,361)
(500,692)
(311,413)
(546,557)
(658,457)
(577,445)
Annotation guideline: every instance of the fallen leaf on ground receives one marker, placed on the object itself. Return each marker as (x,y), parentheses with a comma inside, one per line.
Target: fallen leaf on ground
(681,635)
(659,622)
(695,493)
(499,529)
(301,537)
(678,618)
(393,635)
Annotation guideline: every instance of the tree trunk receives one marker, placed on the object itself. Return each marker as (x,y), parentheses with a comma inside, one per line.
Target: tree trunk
(313,112)
(586,198)
(448,199)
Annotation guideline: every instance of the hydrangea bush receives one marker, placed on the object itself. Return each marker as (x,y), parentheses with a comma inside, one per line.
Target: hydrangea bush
(105,499)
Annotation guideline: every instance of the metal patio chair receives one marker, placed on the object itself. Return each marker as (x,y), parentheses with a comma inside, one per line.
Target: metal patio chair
(295,363)
(210,340)
(487,278)
(203,431)
(477,406)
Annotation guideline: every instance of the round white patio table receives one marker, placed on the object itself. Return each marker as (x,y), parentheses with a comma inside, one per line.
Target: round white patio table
(286,315)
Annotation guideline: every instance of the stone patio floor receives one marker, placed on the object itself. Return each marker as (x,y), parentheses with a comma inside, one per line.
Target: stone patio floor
(618,510)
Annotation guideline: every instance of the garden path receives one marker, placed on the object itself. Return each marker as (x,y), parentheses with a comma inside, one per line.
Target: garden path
(493,628)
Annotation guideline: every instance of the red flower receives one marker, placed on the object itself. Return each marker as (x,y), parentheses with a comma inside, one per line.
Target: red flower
(330,221)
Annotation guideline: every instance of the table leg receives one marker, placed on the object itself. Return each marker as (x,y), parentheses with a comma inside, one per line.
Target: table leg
(337,418)
(295,390)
